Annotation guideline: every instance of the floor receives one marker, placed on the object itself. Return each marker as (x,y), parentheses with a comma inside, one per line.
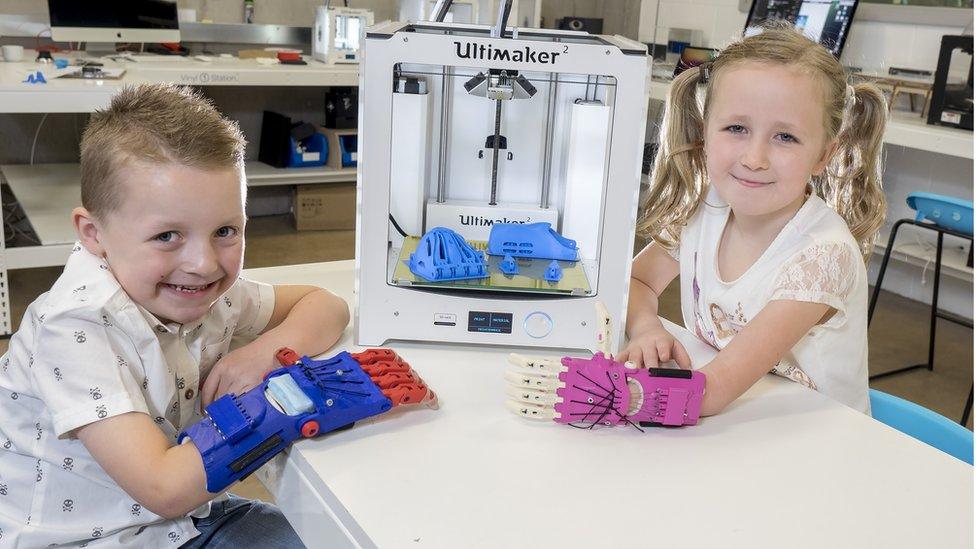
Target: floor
(898,335)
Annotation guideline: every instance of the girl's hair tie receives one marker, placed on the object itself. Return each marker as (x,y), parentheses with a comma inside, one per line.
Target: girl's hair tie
(704,72)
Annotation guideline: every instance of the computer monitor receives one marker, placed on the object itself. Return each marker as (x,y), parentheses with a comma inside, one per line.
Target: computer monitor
(826,21)
(114,21)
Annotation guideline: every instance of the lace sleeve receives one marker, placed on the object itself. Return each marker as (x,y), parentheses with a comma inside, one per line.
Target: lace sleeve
(824,273)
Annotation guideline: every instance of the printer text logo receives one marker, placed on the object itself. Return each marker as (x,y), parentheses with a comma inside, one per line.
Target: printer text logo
(487,52)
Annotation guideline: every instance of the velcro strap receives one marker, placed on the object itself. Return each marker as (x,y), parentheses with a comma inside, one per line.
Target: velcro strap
(674,410)
(230,420)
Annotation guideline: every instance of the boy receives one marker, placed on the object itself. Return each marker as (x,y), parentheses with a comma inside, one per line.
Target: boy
(112,363)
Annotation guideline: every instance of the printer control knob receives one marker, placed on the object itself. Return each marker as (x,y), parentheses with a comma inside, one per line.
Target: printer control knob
(538,325)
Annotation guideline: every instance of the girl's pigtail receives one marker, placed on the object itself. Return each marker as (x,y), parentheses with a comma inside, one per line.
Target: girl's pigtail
(677,180)
(853,178)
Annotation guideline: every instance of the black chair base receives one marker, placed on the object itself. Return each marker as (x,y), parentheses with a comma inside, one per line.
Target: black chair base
(935,314)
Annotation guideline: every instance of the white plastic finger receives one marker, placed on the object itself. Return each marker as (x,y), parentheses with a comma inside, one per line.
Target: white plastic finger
(603,343)
(533,380)
(550,366)
(533,396)
(531,411)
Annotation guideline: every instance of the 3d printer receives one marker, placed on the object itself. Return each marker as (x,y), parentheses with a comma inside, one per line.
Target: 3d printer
(952,101)
(472,134)
(337,33)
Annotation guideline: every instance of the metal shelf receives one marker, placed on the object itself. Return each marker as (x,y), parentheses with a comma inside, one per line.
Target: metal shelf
(922,255)
(74,95)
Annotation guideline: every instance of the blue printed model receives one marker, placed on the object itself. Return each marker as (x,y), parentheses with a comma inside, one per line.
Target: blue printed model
(508,265)
(554,273)
(442,255)
(532,240)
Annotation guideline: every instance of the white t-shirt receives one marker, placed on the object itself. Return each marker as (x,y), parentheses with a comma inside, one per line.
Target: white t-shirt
(814,259)
(84,352)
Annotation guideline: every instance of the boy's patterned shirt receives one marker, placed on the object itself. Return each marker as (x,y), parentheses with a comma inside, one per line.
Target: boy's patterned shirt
(85,352)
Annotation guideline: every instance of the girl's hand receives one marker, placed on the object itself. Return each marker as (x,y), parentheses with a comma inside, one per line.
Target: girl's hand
(652,347)
(241,370)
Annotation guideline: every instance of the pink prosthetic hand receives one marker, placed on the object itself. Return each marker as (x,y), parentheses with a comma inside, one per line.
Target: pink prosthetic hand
(585,392)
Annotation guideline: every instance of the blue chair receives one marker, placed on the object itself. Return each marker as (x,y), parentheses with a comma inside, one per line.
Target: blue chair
(923,424)
(944,215)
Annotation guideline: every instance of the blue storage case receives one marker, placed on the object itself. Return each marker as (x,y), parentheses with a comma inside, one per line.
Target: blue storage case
(315,143)
(349,145)
(945,211)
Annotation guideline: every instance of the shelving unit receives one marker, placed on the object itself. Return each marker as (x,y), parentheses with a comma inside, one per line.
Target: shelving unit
(920,255)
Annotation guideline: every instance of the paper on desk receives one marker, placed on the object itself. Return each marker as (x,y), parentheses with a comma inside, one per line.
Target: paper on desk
(699,351)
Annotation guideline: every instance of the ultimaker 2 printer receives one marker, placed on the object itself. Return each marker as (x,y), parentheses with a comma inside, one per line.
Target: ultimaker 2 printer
(465,126)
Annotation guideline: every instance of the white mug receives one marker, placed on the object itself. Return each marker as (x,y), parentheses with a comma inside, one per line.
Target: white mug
(12,53)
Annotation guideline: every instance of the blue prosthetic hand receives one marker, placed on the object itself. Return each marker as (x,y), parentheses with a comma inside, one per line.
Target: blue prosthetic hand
(242,432)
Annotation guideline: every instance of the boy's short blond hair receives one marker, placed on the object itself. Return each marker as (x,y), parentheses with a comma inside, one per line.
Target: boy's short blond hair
(158,124)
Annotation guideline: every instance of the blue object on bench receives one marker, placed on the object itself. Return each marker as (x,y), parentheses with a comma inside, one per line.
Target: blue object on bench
(923,424)
(508,265)
(442,255)
(533,240)
(944,211)
(554,273)
(35,78)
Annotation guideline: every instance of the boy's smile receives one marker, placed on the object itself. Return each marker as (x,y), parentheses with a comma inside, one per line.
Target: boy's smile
(176,242)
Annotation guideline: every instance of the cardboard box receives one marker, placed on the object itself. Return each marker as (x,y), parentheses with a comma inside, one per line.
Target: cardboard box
(326,207)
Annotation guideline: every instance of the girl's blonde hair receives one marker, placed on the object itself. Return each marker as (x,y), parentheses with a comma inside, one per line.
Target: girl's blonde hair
(853,114)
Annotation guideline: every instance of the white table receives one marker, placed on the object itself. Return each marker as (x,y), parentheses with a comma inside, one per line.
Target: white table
(782,467)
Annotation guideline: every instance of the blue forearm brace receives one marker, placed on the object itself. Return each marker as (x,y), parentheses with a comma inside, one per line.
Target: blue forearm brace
(242,432)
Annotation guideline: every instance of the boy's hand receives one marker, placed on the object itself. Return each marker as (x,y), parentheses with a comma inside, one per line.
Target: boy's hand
(239,371)
(652,347)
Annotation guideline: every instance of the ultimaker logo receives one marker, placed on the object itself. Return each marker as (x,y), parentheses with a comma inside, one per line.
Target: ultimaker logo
(469,50)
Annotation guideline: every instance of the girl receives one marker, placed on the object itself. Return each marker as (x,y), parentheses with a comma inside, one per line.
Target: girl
(766,199)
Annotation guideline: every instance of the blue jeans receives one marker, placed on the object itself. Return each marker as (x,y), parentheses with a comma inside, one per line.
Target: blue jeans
(238,522)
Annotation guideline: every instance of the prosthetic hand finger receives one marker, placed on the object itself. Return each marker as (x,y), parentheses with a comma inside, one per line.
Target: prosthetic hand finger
(307,397)
(549,366)
(412,393)
(531,411)
(604,343)
(370,356)
(532,396)
(532,380)
(384,367)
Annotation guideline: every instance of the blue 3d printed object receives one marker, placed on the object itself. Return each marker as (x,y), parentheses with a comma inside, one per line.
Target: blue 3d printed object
(532,240)
(442,255)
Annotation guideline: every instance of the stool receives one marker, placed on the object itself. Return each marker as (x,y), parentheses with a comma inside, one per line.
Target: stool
(942,231)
